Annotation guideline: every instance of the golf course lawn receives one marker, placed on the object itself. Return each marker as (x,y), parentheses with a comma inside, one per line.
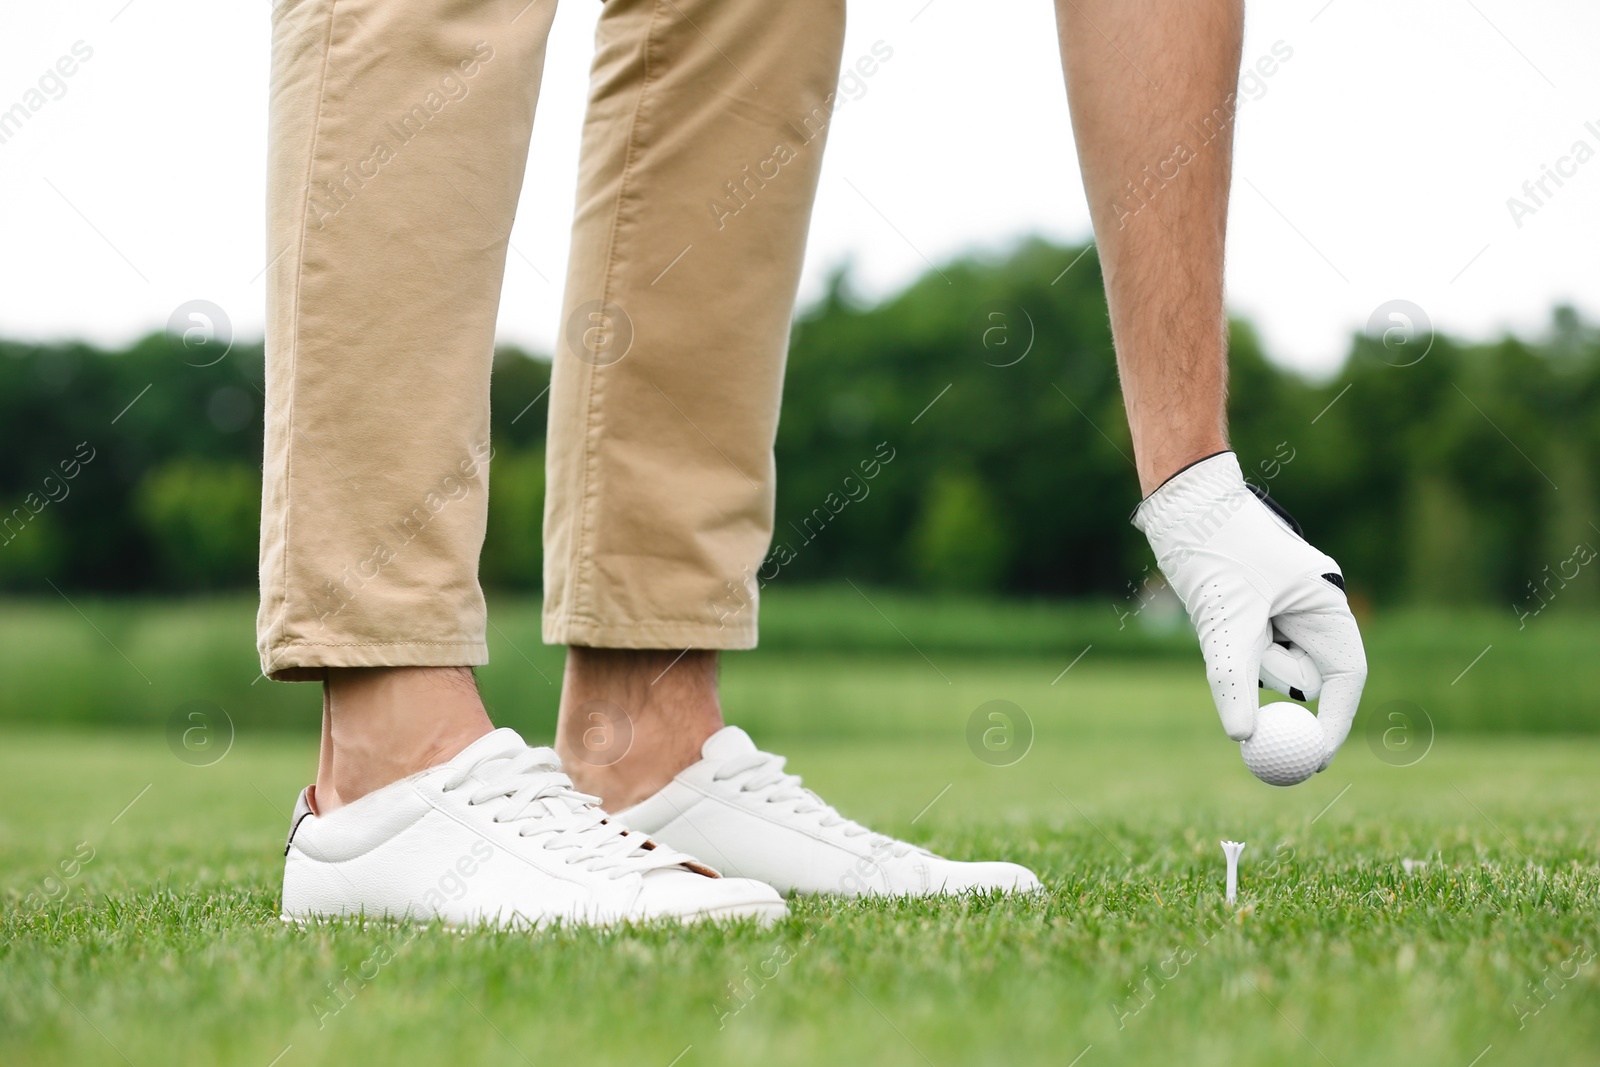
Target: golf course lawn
(140,897)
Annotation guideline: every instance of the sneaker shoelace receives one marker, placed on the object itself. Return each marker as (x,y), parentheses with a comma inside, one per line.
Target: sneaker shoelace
(529,790)
(764,778)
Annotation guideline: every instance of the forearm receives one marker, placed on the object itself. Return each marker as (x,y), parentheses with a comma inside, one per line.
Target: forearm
(1151,85)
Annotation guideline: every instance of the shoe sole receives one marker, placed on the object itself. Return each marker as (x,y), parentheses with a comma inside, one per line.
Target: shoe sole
(765,914)
(921,894)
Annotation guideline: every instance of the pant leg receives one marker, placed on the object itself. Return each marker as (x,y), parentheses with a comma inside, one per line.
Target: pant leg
(398,138)
(700,160)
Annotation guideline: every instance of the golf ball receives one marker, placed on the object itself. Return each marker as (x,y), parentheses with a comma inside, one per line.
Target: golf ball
(1286,747)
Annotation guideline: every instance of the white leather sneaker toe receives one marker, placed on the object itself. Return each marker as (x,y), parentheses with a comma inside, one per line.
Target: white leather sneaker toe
(738,808)
(498,835)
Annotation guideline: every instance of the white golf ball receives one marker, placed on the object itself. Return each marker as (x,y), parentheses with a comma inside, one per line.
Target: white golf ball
(1286,748)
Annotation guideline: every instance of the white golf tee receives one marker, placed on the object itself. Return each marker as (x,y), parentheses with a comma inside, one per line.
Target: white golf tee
(1231,849)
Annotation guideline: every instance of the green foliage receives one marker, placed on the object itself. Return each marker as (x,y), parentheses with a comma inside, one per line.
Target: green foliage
(1433,482)
(957,543)
(998,368)
(202,516)
(1466,475)
(513,549)
(30,546)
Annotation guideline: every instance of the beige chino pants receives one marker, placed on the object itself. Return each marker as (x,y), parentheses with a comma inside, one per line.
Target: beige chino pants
(399,138)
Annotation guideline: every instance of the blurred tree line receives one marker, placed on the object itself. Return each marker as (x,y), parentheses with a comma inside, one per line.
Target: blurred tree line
(985,399)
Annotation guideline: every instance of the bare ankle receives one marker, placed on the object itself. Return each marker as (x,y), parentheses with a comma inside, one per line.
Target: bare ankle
(631,719)
(382,724)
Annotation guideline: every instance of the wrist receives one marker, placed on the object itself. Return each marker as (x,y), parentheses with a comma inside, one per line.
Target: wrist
(1161,467)
(1223,451)
(1192,492)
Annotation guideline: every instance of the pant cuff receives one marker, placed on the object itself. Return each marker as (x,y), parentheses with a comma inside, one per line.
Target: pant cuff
(563,629)
(298,661)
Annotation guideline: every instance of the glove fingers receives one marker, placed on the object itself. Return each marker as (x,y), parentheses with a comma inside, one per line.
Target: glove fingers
(1291,672)
(1233,651)
(1333,641)
(1336,711)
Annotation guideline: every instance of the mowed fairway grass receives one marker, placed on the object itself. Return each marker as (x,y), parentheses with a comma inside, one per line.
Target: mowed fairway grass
(140,891)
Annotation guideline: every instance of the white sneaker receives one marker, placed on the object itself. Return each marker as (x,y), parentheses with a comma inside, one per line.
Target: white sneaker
(497,835)
(738,808)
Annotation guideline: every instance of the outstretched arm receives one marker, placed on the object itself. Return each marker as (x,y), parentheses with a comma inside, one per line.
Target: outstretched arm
(1152,89)
(1151,85)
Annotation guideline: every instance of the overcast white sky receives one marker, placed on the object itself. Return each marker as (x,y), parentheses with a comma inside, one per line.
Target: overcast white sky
(1375,165)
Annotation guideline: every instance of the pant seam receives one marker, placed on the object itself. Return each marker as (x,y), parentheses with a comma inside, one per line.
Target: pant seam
(294,316)
(591,453)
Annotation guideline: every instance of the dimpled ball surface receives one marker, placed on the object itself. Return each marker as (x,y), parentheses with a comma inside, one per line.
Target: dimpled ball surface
(1286,747)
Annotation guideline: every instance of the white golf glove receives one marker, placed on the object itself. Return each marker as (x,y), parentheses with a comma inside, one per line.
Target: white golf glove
(1270,609)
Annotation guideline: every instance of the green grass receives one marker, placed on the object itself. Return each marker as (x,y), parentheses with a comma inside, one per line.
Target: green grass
(164,947)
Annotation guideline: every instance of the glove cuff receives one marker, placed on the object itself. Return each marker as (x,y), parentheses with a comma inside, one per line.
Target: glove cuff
(1196,488)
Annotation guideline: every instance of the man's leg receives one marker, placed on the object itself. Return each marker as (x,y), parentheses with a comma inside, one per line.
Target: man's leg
(1152,86)
(399,134)
(380,724)
(631,719)
(687,248)
(687,252)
